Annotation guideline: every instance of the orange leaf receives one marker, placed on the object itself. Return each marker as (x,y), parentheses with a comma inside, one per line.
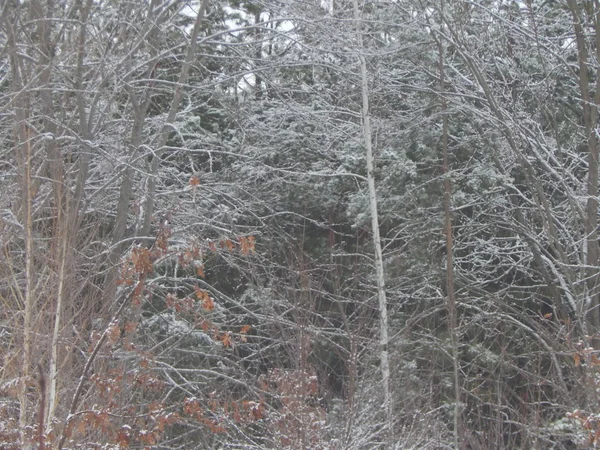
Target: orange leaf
(123,437)
(113,332)
(194,181)
(243,331)
(142,260)
(81,427)
(251,240)
(191,406)
(137,293)
(243,245)
(246,244)
(200,271)
(577,359)
(226,243)
(208,303)
(226,339)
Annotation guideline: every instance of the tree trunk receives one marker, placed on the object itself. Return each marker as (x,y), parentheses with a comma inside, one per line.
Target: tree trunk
(167,127)
(63,233)
(381,294)
(23,148)
(590,117)
(452,312)
(29,286)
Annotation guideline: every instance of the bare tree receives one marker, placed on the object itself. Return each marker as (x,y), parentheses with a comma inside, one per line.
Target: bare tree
(381,295)
(448,232)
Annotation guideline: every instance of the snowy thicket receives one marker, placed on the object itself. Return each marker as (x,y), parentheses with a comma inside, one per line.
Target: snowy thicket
(302,224)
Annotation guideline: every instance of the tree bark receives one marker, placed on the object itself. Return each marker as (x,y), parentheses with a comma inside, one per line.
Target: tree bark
(380,273)
(22,137)
(448,232)
(164,135)
(589,105)
(29,286)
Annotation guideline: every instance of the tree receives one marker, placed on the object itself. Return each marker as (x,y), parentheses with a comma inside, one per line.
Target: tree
(383,321)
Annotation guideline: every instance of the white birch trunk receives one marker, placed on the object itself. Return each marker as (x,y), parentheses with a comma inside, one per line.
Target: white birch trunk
(62,273)
(383,314)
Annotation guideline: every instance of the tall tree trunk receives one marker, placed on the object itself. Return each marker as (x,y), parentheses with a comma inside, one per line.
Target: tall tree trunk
(381,294)
(84,125)
(22,138)
(28,296)
(139,107)
(167,127)
(448,232)
(591,251)
(63,233)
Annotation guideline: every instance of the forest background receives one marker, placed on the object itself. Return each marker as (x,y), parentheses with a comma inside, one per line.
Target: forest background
(307,224)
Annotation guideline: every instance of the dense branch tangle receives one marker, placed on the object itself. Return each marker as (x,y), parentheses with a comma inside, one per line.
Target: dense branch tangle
(359,204)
